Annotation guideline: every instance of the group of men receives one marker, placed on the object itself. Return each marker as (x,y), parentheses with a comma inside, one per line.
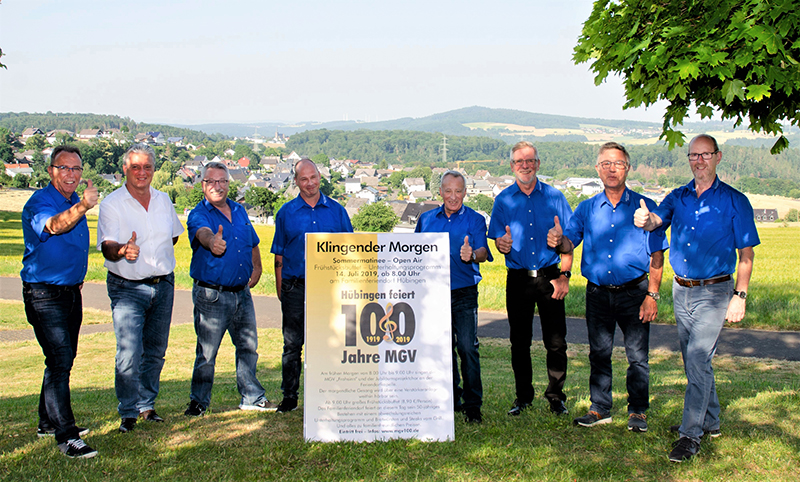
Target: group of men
(532,224)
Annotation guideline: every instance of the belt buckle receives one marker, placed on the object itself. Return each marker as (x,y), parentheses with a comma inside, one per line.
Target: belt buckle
(155,280)
(533,273)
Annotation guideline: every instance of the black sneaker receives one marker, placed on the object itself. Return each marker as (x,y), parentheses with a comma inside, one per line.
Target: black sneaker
(473,415)
(77,449)
(558,407)
(711,433)
(287,405)
(127,424)
(683,449)
(47,430)
(592,418)
(195,409)
(637,422)
(518,408)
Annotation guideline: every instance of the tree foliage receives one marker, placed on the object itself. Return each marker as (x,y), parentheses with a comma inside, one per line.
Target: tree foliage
(738,57)
(262,198)
(375,218)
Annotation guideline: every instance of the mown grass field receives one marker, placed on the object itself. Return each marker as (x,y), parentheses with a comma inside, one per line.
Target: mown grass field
(773,299)
(760,424)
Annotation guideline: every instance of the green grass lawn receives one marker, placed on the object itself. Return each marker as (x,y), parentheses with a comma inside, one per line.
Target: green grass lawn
(773,298)
(12,316)
(760,425)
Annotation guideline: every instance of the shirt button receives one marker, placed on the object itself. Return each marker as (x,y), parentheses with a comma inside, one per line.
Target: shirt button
(612,225)
(609,255)
(610,240)
(688,244)
(684,260)
(609,272)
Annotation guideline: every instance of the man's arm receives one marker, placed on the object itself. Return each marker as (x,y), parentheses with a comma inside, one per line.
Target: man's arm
(278,270)
(643,218)
(114,251)
(211,241)
(66,220)
(736,307)
(649,309)
(561,284)
(256,275)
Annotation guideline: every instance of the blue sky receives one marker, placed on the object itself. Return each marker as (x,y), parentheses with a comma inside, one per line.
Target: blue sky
(251,61)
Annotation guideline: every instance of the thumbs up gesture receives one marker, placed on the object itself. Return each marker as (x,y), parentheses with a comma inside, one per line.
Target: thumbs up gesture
(466,250)
(642,215)
(217,244)
(90,194)
(505,242)
(130,249)
(555,234)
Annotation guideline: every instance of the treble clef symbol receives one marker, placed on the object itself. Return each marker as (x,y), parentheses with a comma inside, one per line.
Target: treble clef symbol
(387,325)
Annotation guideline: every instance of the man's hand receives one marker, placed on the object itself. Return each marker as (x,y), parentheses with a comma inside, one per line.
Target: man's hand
(90,195)
(505,242)
(736,309)
(218,245)
(649,310)
(641,216)
(466,251)
(560,287)
(555,234)
(130,250)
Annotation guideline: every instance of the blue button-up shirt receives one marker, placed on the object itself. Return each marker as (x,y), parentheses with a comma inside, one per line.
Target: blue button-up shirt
(465,222)
(294,220)
(614,251)
(235,266)
(530,217)
(53,259)
(707,231)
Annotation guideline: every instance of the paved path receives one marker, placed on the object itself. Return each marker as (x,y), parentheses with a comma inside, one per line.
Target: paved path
(753,343)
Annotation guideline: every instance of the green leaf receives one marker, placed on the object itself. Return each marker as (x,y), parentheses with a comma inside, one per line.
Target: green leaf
(757,92)
(687,68)
(705,111)
(781,144)
(731,89)
(673,138)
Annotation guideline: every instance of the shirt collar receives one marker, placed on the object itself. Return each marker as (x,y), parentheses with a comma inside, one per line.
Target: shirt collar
(714,185)
(59,198)
(440,211)
(625,199)
(537,187)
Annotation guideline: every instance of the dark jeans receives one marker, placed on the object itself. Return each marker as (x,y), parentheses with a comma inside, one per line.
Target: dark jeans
(523,294)
(293,299)
(55,313)
(464,315)
(604,310)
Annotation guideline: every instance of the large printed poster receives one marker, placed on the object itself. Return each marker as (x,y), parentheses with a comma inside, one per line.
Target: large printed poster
(378,340)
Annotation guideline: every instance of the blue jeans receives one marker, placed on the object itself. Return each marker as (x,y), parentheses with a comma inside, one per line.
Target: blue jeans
(700,314)
(464,315)
(55,313)
(142,313)
(216,312)
(604,310)
(523,294)
(293,302)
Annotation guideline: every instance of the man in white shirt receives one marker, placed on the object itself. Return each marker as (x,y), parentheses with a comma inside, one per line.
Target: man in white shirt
(136,231)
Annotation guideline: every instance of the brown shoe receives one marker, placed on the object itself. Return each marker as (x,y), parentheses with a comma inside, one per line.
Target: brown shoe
(150,416)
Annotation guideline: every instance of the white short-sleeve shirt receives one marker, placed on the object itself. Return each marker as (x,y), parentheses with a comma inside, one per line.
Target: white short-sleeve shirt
(121,215)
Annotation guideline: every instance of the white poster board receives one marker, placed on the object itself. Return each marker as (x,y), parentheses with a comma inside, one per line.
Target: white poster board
(378,359)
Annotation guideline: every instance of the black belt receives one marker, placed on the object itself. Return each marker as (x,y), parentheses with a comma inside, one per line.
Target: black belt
(153,280)
(688,283)
(551,272)
(231,289)
(48,286)
(626,286)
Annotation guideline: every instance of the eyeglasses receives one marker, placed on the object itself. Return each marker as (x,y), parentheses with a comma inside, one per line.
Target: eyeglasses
(67,168)
(520,162)
(606,165)
(705,155)
(220,182)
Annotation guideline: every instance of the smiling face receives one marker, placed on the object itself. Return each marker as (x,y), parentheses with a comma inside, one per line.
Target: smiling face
(614,176)
(215,187)
(705,171)
(307,180)
(453,192)
(139,171)
(525,164)
(65,180)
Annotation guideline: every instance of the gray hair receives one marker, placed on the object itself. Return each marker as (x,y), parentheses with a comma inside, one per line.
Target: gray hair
(614,145)
(522,145)
(215,165)
(453,173)
(705,136)
(139,149)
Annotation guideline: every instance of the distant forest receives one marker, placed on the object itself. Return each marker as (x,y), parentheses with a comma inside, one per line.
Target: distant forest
(17,122)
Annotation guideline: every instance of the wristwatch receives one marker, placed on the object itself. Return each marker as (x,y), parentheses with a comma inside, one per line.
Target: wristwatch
(740,294)
(474,258)
(654,295)
(568,274)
